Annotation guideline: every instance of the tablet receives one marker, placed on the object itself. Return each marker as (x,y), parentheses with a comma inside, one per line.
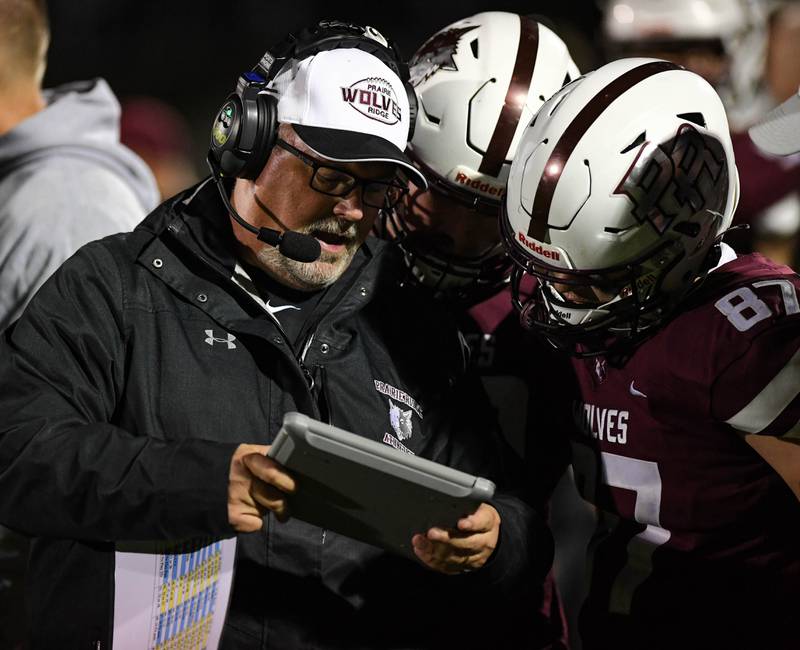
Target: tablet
(367,490)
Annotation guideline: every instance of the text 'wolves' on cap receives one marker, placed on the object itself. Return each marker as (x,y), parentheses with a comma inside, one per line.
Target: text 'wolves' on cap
(347,106)
(779,131)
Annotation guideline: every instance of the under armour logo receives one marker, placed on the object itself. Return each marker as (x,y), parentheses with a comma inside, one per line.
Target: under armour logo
(213,339)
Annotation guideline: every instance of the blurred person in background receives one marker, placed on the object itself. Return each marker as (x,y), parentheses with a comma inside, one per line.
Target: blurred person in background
(64,177)
(778,132)
(160,135)
(64,180)
(480,81)
(746,49)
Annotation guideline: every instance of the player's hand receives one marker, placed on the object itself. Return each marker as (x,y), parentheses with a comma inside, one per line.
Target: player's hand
(466,548)
(256,485)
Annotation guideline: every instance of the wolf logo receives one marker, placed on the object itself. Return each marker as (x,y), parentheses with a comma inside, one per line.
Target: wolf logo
(400,421)
(437,54)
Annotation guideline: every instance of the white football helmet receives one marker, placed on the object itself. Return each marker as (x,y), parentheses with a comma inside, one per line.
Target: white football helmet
(620,189)
(479,81)
(737,28)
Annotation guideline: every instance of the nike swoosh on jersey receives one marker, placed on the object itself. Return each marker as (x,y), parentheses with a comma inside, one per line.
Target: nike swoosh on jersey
(275,310)
(635,392)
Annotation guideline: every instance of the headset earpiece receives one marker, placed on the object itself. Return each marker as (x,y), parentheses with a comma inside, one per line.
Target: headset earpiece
(245,128)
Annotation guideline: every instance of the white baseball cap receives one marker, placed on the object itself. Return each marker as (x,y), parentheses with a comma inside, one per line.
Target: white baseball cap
(778,131)
(347,106)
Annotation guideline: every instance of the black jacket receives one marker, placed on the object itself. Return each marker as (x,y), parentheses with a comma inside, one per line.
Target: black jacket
(118,421)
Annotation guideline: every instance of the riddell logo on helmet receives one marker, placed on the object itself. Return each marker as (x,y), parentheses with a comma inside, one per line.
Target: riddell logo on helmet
(481,185)
(538,249)
(375,98)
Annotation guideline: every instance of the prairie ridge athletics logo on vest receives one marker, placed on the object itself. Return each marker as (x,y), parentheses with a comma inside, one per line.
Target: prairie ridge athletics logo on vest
(401,420)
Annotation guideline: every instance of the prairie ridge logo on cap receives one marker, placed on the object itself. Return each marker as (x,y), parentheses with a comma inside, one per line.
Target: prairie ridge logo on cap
(375,98)
(347,105)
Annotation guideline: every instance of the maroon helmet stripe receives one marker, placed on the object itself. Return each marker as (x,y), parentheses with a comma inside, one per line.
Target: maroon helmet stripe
(516,95)
(573,134)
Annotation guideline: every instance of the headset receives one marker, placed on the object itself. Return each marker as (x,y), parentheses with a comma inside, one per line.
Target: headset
(246,126)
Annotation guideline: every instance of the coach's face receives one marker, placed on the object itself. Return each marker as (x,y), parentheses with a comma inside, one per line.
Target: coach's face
(282,198)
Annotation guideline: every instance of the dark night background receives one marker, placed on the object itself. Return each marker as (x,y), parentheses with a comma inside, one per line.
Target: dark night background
(190,52)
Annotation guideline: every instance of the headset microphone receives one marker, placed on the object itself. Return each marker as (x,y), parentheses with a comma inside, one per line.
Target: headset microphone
(294,245)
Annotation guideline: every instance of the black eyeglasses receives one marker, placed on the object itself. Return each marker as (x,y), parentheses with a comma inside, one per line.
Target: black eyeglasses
(336,182)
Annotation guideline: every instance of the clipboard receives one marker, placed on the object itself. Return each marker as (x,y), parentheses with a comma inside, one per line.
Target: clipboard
(367,490)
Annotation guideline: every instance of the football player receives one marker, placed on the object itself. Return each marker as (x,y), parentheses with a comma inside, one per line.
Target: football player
(687,356)
(479,81)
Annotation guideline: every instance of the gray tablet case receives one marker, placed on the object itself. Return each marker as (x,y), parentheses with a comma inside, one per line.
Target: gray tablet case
(367,490)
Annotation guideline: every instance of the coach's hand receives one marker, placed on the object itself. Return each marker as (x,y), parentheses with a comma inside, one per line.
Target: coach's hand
(464,549)
(256,485)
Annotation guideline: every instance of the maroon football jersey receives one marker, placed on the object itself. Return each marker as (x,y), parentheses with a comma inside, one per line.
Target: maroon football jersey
(699,541)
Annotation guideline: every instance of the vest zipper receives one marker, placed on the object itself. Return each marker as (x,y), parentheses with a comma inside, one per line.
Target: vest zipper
(302,361)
